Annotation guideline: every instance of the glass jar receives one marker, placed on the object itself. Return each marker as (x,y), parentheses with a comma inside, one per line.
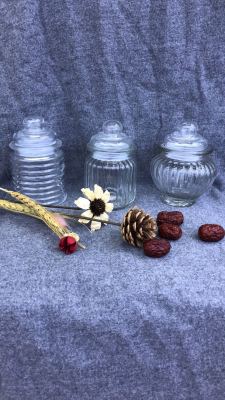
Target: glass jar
(110,163)
(37,162)
(184,169)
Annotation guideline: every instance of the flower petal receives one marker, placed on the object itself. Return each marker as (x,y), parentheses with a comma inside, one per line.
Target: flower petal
(82,203)
(106,196)
(98,192)
(87,214)
(88,193)
(104,217)
(109,207)
(95,226)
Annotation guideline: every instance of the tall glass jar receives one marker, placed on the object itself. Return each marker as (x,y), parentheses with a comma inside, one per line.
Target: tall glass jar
(110,163)
(37,162)
(183,170)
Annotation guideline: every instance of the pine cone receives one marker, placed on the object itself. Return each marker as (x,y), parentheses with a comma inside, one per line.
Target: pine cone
(137,227)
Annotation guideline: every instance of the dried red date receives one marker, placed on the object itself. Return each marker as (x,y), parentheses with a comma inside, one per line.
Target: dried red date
(170,217)
(156,247)
(170,231)
(211,232)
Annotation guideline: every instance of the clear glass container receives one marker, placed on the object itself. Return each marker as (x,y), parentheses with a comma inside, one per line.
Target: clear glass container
(110,163)
(184,169)
(37,162)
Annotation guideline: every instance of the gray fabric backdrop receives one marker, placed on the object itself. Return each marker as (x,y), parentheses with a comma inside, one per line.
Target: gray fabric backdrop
(149,64)
(108,323)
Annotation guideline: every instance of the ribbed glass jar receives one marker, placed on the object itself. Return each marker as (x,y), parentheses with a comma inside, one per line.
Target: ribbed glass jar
(111,164)
(37,162)
(184,169)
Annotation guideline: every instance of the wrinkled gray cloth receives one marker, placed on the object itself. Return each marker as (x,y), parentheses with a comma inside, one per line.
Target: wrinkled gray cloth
(109,323)
(149,64)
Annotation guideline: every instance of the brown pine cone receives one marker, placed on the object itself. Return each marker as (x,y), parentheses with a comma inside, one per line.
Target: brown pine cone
(137,227)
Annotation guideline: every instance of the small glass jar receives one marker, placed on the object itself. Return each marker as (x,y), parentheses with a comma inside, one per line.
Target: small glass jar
(37,162)
(184,169)
(110,163)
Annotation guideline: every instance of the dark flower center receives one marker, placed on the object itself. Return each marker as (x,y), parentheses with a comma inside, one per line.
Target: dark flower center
(97,207)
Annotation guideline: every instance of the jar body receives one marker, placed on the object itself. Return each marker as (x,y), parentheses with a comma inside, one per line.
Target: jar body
(182,181)
(116,176)
(40,178)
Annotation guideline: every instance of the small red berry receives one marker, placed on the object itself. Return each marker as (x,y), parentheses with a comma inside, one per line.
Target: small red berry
(68,244)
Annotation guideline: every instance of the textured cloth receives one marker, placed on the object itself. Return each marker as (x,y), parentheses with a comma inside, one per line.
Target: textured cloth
(109,323)
(149,64)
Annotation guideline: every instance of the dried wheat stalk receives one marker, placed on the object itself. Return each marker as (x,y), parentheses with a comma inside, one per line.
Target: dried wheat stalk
(32,208)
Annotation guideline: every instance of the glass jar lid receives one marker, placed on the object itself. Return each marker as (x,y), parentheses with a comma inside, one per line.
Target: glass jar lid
(111,139)
(36,138)
(186,139)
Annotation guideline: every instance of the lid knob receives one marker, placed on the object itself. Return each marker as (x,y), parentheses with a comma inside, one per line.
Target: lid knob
(33,122)
(113,127)
(188,128)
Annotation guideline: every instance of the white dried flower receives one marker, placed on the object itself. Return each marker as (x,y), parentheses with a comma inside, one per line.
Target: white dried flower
(96,203)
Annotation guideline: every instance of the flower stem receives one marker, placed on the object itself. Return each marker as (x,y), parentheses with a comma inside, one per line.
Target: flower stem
(74,216)
(60,207)
(78,216)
